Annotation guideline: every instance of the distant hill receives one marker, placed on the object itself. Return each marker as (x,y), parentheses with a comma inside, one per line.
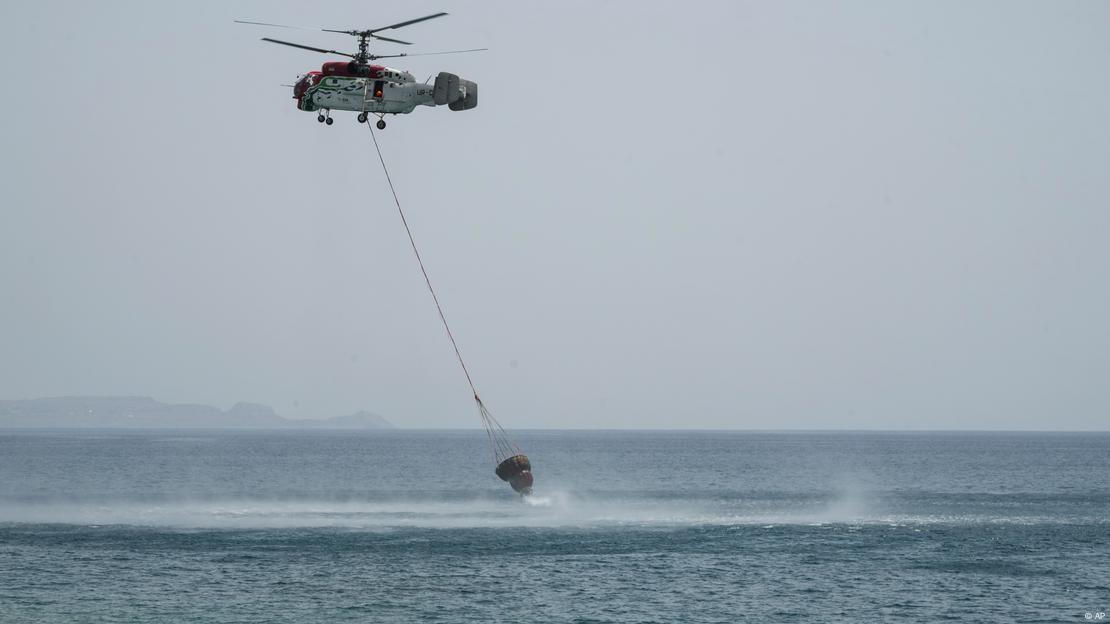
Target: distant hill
(145,412)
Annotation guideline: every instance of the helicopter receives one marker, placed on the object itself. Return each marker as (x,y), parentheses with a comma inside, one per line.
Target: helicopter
(360,86)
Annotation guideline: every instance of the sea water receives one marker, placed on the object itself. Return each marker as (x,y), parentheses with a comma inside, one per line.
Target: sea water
(413,526)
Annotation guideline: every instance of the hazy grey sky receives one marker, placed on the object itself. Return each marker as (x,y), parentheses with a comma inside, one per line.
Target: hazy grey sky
(712,214)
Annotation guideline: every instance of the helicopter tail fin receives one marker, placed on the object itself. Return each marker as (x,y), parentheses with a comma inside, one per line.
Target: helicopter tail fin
(446,89)
(469,97)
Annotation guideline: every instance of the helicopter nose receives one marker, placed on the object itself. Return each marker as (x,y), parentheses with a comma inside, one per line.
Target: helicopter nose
(300,85)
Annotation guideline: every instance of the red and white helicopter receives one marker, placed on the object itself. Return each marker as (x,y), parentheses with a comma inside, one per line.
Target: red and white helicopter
(357,85)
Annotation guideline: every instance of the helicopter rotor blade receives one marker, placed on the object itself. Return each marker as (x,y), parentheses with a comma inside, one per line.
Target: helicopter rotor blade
(406,23)
(304,47)
(366,33)
(444,52)
(391,40)
(370,32)
(359,33)
(274,25)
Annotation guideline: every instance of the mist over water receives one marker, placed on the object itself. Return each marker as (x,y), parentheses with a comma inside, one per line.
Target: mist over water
(381,480)
(706,526)
(555,510)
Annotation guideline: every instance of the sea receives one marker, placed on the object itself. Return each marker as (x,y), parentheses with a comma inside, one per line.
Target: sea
(625,526)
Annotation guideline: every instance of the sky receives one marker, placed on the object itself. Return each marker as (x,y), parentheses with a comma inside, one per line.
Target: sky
(770,215)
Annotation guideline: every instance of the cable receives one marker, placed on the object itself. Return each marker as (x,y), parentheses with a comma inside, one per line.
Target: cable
(502,446)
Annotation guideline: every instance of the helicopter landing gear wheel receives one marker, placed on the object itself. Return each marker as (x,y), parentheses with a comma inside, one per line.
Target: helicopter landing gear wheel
(329,121)
(320,118)
(381,124)
(362,117)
